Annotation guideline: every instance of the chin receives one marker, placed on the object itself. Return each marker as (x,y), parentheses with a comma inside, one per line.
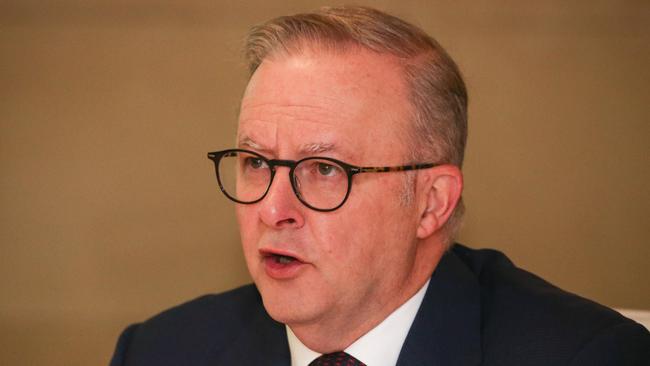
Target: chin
(284,311)
(286,306)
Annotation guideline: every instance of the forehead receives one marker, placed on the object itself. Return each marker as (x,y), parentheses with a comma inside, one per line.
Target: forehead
(348,101)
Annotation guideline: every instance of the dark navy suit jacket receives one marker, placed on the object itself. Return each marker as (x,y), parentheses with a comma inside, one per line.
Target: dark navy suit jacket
(479,309)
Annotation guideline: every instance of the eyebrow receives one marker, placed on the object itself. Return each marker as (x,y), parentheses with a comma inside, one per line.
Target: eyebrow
(250,143)
(317,148)
(305,149)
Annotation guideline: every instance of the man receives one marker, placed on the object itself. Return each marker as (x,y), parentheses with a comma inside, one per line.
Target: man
(347,177)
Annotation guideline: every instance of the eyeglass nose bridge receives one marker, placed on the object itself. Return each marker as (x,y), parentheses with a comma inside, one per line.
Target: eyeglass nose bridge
(291,164)
(278,162)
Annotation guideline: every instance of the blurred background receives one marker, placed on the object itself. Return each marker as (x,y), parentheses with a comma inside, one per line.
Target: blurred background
(109,208)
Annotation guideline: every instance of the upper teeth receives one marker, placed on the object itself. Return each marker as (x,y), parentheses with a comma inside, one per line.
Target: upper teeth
(283,259)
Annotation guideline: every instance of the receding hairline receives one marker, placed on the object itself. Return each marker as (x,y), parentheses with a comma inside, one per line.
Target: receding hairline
(337,29)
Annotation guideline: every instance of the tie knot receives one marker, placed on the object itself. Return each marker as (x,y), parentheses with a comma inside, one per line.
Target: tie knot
(336,359)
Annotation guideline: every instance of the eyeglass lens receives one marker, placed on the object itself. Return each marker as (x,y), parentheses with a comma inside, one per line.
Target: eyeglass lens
(320,183)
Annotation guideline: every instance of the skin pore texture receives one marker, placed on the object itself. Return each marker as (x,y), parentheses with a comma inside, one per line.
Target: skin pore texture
(350,268)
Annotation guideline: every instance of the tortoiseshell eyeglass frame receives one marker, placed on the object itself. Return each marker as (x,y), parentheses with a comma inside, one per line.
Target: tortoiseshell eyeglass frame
(350,170)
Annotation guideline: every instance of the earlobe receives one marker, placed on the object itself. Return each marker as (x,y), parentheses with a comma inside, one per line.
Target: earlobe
(441,192)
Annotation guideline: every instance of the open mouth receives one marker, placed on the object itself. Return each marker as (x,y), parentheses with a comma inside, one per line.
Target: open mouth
(282,259)
(281,265)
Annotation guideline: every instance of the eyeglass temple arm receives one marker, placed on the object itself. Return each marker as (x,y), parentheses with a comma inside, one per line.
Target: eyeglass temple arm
(383,169)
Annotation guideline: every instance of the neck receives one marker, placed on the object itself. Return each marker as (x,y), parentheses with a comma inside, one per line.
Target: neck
(339,332)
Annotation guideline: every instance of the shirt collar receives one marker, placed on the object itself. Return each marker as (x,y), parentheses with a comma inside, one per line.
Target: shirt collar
(379,347)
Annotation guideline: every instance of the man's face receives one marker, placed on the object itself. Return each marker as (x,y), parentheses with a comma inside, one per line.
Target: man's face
(359,258)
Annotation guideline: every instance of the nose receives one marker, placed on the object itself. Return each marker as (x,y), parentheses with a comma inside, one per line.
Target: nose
(280,208)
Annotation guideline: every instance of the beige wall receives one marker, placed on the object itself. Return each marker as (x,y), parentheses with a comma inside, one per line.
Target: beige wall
(109,207)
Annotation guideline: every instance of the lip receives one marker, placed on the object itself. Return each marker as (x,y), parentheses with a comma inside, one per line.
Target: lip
(281,271)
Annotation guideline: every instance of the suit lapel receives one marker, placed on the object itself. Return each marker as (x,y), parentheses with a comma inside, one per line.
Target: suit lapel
(446,330)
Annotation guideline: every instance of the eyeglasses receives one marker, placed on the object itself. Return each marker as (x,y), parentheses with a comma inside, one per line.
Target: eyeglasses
(320,183)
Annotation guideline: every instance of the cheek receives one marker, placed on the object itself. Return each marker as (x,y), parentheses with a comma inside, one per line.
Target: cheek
(388,225)
(365,236)
(248,233)
(243,220)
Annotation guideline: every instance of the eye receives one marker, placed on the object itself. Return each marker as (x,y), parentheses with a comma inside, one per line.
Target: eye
(255,163)
(327,169)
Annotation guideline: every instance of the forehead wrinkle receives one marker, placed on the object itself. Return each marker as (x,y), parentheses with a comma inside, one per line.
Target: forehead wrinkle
(296,112)
(298,99)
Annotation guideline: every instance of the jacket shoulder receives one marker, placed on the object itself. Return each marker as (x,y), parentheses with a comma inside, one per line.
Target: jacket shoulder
(192,331)
(526,320)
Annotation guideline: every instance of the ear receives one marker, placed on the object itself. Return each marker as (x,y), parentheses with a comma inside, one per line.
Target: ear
(440,191)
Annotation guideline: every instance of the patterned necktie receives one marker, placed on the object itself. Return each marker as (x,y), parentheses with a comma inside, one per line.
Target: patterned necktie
(336,359)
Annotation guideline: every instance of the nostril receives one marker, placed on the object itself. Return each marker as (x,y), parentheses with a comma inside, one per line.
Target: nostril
(288,221)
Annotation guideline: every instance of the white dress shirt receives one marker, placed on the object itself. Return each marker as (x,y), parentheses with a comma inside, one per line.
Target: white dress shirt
(379,347)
